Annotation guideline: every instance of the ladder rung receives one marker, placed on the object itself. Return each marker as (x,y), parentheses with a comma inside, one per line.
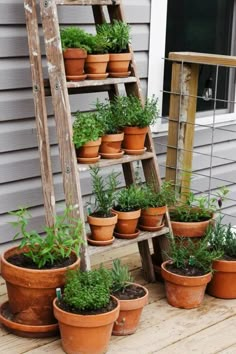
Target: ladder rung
(87,2)
(109,81)
(112,162)
(145,235)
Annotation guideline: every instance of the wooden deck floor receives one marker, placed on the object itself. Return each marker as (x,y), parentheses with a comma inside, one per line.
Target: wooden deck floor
(163,329)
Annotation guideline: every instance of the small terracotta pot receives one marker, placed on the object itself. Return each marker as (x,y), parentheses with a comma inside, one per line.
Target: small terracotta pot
(102,228)
(152,217)
(87,334)
(223,282)
(96,63)
(74,60)
(183,291)
(130,313)
(89,150)
(111,143)
(127,221)
(31,291)
(119,62)
(190,229)
(134,138)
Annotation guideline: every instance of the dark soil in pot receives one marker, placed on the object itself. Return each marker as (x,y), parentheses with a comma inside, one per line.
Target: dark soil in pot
(189,271)
(130,292)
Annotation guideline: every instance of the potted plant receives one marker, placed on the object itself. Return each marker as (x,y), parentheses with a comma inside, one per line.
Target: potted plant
(110,147)
(132,297)
(34,269)
(193,214)
(223,284)
(135,118)
(118,36)
(154,205)
(128,208)
(187,272)
(86,312)
(73,41)
(87,132)
(98,57)
(102,220)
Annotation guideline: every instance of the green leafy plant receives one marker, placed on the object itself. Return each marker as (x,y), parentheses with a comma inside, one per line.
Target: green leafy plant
(153,198)
(86,127)
(58,243)
(87,290)
(129,198)
(97,44)
(189,255)
(117,34)
(74,37)
(195,208)
(131,112)
(120,276)
(104,189)
(106,112)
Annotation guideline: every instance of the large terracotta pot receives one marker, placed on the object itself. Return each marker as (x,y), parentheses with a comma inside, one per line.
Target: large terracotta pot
(102,228)
(111,143)
(96,64)
(74,60)
(31,291)
(223,282)
(88,150)
(130,313)
(184,291)
(119,63)
(127,221)
(87,334)
(134,139)
(152,217)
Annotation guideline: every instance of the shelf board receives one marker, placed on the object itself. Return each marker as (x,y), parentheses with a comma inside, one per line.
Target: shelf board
(144,235)
(87,2)
(108,81)
(111,162)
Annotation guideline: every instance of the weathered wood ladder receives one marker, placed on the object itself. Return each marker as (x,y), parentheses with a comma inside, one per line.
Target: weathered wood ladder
(60,90)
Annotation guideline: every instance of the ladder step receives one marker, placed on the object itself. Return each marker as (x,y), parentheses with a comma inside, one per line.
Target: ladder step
(145,235)
(112,162)
(108,81)
(87,2)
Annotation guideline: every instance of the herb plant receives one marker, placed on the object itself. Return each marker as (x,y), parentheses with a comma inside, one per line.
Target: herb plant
(154,199)
(117,34)
(97,44)
(106,112)
(120,276)
(129,198)
(86,127)
(104,189)
(73,37)
(87,290)
(58,243)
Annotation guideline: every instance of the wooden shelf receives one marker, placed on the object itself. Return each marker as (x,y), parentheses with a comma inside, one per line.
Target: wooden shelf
(108,81)
(111,162)
(87,2)
(144,235)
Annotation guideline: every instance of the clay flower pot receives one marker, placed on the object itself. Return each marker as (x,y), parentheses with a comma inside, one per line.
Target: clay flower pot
(96,66)
(87,334)
(111,145)
(152,217)
(102,228)
(119,63)
(88,153)
(223,282)
(134,139)
(31,291)
(190,229)
(127,221)
(74,60)
(130,313)
(184,291)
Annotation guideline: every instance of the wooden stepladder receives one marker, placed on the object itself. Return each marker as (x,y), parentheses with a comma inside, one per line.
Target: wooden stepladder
(60,90)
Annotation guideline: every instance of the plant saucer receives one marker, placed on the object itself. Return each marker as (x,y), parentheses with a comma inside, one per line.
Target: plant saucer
(76,77)
(151,228)
(88,159)
(98,76)
(25,330)
(115,155)
(127,236)
(135,152)
(121,74)
(99,243)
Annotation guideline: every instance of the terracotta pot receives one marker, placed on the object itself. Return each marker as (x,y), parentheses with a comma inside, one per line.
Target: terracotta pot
(87,334)
(183,291)
(119,62)
(102,228)
(96,63)
(111,143)
(74,60)
(152,217)
(190,229)
(31,291)
(127,221)
(89,150)
(223,282)
(134,138)
(130,313)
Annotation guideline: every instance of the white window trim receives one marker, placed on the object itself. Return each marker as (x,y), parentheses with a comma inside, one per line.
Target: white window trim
(156,66)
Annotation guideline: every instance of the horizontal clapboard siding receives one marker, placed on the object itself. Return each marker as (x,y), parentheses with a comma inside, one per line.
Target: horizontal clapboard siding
(20,182)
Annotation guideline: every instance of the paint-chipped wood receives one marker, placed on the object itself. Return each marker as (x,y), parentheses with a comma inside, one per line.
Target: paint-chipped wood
(203,58)
(87,2)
